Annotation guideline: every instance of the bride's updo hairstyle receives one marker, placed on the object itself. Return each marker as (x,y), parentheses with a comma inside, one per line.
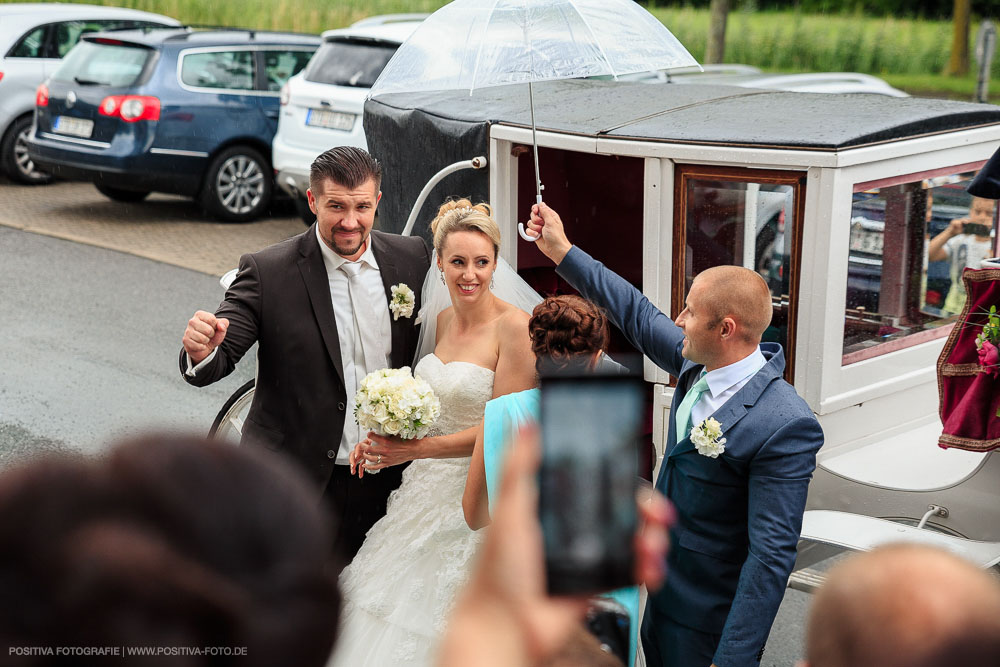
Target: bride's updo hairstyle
(565,333)
(459,215)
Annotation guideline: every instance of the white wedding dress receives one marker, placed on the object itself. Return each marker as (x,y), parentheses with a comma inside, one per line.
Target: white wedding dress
(400,587)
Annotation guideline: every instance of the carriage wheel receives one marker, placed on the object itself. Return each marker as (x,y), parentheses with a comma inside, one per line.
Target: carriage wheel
(228,424)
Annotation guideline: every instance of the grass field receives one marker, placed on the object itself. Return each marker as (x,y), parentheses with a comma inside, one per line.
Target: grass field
(909,53)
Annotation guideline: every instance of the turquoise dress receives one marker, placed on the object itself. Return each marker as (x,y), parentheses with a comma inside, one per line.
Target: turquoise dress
(504,416)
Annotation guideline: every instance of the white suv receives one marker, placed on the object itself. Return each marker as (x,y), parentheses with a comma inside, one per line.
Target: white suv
(33,39)
(323,106)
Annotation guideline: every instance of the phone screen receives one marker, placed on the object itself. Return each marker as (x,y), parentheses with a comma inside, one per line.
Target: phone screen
(590,427)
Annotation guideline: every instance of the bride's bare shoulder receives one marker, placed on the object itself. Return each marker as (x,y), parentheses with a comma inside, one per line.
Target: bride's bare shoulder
(445,316)
(444,319)
(512,319)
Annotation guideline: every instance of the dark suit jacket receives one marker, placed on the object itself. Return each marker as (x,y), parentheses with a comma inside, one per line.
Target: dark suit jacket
(739,515)
(281,299)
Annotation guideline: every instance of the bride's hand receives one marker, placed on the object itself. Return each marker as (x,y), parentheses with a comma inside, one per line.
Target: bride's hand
(356,457)
(382,451)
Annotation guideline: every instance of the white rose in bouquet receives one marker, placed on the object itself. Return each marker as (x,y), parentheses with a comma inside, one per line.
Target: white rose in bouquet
(393,402)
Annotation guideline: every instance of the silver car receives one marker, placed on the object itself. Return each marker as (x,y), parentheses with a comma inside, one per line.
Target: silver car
(323,106)
(33,38)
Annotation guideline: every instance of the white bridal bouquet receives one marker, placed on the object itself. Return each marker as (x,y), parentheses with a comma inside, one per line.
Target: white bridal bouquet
(393,402)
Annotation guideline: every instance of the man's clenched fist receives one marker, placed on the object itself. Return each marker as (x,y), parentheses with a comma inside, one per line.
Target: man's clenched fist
(204,333)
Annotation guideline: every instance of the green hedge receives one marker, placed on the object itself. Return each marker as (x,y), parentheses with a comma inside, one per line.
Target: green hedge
(796,41)
(779,41)
(939,9)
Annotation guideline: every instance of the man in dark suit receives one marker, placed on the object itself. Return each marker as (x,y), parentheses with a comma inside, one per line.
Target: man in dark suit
(739,483)
(318,305)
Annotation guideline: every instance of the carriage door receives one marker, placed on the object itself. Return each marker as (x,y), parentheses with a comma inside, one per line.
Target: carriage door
(600,200)
(745,217)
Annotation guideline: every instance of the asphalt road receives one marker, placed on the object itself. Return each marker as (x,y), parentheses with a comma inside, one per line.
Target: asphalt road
(89,336)
(89,340)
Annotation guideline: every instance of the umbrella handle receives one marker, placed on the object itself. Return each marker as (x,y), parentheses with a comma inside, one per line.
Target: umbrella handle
(522,232)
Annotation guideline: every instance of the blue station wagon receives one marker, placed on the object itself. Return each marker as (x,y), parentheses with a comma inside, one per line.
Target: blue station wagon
(178,111)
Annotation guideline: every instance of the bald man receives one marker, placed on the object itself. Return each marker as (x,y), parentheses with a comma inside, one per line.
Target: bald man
(905,605)
(739,490)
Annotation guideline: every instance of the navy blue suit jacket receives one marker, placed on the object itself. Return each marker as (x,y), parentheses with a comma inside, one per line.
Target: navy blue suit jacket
(739,515)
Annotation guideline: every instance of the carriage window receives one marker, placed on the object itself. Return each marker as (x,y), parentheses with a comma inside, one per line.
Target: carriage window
(910,240)
(748,218)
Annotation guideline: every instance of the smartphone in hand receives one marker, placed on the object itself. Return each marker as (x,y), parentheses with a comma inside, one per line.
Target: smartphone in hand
(591,426)
(975,228)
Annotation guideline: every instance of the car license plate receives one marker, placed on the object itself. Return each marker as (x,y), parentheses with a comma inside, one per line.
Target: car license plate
(77,127)
(333,120)
(866,240)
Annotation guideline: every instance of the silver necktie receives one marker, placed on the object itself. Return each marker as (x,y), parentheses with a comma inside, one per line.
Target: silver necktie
(368,334)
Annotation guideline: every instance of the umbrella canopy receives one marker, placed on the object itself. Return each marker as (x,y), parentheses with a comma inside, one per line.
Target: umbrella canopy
(469,44)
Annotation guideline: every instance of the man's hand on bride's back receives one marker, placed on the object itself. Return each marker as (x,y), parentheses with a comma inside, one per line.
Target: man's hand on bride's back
(546,224)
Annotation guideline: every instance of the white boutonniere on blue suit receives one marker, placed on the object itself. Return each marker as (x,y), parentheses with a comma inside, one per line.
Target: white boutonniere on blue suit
(402,301)
(707,438)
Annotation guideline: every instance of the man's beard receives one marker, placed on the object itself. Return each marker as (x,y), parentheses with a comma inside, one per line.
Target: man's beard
(345,251)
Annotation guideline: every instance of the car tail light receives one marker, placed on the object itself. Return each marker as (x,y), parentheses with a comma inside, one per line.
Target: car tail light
(130,108)
(1,76)
(285,94)
(42,96)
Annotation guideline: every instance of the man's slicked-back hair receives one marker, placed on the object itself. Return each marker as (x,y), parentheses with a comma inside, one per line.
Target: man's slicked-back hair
(347,166)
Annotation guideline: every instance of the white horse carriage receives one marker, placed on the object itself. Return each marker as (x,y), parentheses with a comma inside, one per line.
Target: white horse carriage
(833,199)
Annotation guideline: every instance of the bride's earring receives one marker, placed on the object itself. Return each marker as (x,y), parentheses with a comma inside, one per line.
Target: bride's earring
(442,278)
(493,282)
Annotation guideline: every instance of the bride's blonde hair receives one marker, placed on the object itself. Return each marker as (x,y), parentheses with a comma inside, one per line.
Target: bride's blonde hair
(460,215)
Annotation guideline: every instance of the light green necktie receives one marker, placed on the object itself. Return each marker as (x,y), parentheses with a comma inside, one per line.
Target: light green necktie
(683,414)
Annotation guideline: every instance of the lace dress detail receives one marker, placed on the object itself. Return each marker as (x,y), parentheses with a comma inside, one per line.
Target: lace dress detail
(400,587)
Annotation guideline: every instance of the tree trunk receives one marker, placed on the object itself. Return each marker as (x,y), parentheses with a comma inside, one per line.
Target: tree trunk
(958,63)
(718,13)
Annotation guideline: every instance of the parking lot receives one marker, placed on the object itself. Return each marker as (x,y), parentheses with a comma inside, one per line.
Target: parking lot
(165,228)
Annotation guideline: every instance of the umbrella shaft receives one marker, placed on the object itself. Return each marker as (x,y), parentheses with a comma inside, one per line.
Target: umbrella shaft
(534,143)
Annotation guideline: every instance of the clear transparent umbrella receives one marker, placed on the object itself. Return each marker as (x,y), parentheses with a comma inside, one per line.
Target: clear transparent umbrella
(470,44)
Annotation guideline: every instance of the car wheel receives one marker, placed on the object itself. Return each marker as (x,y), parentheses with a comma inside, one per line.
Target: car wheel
(14,155)
(121,195)
(302,206)
(238,185)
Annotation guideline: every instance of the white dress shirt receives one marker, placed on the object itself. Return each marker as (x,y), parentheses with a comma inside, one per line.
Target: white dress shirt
(724,382)
(351,352)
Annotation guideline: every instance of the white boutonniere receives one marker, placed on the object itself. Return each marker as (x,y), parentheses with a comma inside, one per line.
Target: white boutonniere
(402,301)
(707,438)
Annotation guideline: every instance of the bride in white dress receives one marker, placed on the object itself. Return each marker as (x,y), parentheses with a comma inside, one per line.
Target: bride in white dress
(402,583)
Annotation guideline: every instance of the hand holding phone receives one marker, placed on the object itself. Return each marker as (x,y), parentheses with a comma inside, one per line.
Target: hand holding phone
(590,426)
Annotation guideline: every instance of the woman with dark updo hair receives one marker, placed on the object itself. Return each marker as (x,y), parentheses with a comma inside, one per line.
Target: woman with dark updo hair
(568,333)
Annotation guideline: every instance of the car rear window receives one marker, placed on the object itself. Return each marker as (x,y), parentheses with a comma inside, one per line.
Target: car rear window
(349,63)
(105,64)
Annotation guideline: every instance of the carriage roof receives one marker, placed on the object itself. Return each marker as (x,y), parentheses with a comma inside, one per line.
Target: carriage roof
(416,134)
(702,114)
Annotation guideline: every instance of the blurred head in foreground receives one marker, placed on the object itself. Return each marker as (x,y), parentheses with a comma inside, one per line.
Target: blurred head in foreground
(168,541)
(905,605)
